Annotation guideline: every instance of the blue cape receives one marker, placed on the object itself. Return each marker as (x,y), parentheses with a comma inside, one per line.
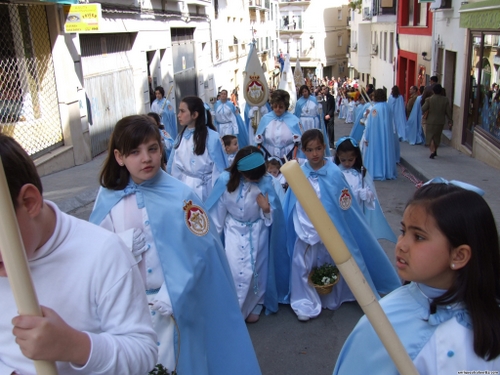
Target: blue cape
(168,117)
(322,127)
(358,128)
(414,131)
(214,148)
(290,120)
(242,130)
(407,308)
(375,218)
(380,154)
(279,271)
(214,338)
(351,225)
(399,115)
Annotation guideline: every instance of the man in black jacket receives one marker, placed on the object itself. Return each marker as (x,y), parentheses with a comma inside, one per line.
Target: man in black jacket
(329,113)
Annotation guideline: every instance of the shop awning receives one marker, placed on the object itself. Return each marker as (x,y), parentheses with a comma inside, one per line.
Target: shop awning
(480,15)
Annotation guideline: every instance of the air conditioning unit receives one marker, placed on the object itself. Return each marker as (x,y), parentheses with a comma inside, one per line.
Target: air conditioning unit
(367,14)
(374,49)
(354,47)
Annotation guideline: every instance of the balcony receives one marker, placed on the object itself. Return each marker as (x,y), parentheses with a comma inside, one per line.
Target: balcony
(295,2)
(257,4)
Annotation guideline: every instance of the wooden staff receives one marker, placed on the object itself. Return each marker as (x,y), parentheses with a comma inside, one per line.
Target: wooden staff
(347,266)
(16,265)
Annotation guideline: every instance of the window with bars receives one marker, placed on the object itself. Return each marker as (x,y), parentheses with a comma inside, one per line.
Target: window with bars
(29,109)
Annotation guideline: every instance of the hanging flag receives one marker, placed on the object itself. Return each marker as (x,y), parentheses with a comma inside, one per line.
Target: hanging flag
(287,83)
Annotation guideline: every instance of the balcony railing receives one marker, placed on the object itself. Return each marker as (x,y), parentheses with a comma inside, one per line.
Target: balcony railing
(259,4)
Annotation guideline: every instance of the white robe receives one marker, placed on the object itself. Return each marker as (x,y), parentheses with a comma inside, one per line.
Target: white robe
(226,120)
(123,218)
(88,277)
(246,235)
(278,139)
(310,252)
(199,172)
(309,116)
(355,182)
(350,113)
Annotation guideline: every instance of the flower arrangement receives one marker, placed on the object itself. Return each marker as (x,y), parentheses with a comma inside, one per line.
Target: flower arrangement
(161,370)
(324,278)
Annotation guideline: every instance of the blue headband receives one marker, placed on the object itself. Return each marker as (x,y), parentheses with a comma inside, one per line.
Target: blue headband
(460,184)
(341,140)
(249,162)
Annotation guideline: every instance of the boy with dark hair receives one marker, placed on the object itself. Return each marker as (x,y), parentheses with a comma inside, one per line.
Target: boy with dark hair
(95,317)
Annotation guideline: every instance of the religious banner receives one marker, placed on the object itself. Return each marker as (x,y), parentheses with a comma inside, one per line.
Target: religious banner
(255,88)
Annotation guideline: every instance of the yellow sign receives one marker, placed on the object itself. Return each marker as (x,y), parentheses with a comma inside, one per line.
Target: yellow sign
(82,18)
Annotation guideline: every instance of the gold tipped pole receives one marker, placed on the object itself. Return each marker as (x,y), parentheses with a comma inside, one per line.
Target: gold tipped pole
(16,265)
(347,266)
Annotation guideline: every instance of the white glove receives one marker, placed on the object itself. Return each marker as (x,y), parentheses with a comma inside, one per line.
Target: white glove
(138,242)
(296,138)
(259,139)
(161,302)
(251,112)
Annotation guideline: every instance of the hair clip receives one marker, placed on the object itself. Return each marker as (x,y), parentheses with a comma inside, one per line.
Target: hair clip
(341,140)
(460,184)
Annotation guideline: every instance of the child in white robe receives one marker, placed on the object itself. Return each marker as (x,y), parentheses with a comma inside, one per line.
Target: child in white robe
(242,207)
(230,146)
(95,316)
(448,316)
(350,111)
(178,252)
(197,158)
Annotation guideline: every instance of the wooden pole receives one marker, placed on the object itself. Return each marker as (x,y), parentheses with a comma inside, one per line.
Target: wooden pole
(347,266)
(16,265)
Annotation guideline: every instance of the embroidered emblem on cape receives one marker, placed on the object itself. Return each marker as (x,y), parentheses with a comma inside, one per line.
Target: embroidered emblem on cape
(374,112)
(196,219)
(345,199)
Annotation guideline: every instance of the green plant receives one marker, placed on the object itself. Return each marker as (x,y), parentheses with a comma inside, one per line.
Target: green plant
(355,5)
(325,275)
(161,370)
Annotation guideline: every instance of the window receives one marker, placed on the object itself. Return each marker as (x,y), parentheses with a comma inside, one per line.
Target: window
(339,14)
(385,46)
(391,47)
(339,40)
(218,50)
(414,13)
(482,109)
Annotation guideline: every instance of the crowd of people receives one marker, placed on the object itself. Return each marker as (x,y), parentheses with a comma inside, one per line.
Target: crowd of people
(188,248)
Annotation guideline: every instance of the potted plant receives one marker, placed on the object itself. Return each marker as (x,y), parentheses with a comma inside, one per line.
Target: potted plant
(324,278)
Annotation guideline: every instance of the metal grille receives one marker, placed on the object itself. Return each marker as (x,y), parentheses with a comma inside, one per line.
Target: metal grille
(28,96)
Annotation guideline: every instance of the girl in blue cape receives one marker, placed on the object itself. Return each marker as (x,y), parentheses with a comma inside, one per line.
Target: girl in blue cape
(247,211)
(397,104)
(348,158)
(359,120)
(448,317)
(187,279)
(279,131)
(414,130)
(305,246)
(379,154)
(228,120)
(163,108)
(306,109)
(198,157)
